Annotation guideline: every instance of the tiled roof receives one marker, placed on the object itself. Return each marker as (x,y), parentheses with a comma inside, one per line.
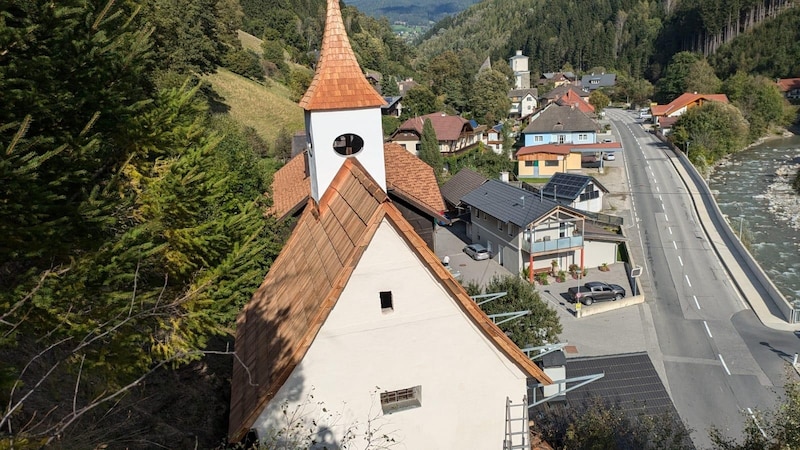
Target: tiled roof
(571,98)
(411,178)
(511,204)
(448,128)
(461,184)
(686,99)
(560,91)
(406,176)
(338,82)
(276,328)
(787,84)
(565,149)
(557,119)
(291,187)
(521,93)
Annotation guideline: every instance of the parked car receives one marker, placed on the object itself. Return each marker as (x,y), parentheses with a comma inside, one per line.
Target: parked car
(609,157)
(477,252)
(595,291)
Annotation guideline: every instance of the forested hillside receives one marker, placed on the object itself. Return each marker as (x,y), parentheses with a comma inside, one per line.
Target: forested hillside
(635,38)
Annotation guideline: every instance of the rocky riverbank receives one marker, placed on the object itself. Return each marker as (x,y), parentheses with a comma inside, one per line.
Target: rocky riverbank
(784,202)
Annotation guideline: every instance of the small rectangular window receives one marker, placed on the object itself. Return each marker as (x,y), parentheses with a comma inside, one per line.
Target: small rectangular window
(528,163)
(386,301)
(499,225)
(538,138)
(551,163)
(392,401)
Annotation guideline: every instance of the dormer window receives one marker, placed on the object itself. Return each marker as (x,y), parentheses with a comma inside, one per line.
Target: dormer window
(348,144)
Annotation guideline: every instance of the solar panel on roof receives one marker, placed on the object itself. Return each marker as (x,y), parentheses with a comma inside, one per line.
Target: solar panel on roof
(566,185)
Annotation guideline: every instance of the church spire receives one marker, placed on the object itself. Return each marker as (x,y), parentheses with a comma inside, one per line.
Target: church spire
(338,82)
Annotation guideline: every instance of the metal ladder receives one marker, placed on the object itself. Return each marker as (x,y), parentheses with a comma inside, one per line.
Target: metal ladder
(517,433)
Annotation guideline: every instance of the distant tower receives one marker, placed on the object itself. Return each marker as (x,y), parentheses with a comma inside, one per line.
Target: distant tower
(342,111)
(522,75)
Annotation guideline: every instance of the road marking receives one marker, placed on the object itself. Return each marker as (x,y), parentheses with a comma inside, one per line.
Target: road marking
(750,411)
(723,364)
(687,280)
(654,179)
(658,189)
(659,197)
(709,333)
(696,302)
(666,219)
(680,260)
(675,245)
(670,230)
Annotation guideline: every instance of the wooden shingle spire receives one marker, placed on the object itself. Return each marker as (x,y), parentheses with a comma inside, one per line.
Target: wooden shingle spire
(338,82)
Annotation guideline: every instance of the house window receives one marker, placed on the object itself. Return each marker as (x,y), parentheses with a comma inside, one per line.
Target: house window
(387,305)
(538,139)
(528,163)
(511,229)
(499,225)
(583,137)
(551,163)
(561,138)
(392,401)
(348,144)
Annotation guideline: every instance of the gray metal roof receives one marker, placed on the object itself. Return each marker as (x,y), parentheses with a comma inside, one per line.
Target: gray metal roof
(630,383)
(603,80)
(460,185)
(511,204)
(559,119)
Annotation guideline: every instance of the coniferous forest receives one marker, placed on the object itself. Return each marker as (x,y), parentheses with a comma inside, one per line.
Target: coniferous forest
(134,216)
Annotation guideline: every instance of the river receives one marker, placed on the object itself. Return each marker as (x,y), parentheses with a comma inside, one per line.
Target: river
(742,189)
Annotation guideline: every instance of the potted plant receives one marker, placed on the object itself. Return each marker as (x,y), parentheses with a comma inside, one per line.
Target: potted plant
(574,270)
(554,267)
(604,267)
(562,276)
(541,277)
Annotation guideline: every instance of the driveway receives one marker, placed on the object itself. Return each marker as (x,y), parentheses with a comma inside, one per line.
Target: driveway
(450,241)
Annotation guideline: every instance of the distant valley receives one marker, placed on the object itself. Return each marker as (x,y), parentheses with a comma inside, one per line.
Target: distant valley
(410,11)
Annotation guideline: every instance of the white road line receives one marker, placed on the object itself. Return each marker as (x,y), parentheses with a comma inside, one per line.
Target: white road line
(680,260)
(654,179)
(666,219)
(709,333)
(675,245)
(670,230)
(658,189)
(725,366)
(659,197)
(687,280)
(753,416)
(696,302)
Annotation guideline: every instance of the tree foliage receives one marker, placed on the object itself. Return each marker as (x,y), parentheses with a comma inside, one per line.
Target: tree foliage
(489,100)
(599,424)
(419,101)
(599,100)
(710,132)
(759,100)
(481,160)
(676,77)
(539,327)
(429,148)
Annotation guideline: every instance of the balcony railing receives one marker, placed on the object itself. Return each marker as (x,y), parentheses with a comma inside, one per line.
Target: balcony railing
(554,245)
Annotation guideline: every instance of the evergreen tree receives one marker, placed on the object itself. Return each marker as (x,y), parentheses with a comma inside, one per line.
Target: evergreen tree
(429,148)
(540,327)
(675,80)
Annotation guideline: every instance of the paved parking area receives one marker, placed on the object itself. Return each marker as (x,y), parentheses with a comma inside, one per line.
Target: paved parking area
(450,241)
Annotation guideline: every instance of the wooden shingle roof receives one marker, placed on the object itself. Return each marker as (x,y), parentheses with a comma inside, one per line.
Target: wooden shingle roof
(338,82)
(406,175)
(276,328)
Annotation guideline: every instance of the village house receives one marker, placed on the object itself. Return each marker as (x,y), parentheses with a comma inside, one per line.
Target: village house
(358,328)
(682,104)
(557,124)
(790,87)
(576,190)
(455,134)
(594,81)
(523,102)
(541,161)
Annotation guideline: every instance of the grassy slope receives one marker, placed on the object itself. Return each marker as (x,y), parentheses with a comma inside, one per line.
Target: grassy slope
(250,42)
(265,109)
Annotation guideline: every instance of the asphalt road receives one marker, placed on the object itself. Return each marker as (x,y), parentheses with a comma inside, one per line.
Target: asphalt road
(718,359)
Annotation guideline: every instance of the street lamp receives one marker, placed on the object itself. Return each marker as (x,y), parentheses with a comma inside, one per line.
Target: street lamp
(687,149)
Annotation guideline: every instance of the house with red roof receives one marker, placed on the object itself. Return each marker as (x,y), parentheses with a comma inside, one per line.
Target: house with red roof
(790,87)
(358,329)
(683,103)
(455,134)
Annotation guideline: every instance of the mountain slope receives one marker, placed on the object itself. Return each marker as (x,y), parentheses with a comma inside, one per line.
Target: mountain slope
(412,11)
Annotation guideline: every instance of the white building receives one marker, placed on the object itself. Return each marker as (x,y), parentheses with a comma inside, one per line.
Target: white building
(358,327)
(522,74)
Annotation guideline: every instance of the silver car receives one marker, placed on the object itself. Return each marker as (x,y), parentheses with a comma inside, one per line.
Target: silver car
(477,252)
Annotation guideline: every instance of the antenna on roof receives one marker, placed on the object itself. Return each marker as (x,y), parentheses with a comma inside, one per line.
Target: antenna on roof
(523,200)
